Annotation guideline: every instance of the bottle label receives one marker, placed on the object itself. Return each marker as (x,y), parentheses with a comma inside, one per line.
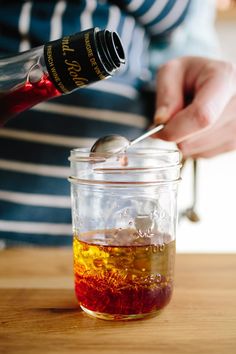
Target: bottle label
(74,62)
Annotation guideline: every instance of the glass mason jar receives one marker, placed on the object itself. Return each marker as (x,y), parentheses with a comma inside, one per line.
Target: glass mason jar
(124,211)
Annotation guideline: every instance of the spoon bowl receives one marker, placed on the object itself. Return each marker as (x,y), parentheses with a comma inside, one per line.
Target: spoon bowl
(110,144)
(114,144)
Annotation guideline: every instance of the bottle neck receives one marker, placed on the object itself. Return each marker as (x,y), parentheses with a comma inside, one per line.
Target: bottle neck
(110,48)
(83,58)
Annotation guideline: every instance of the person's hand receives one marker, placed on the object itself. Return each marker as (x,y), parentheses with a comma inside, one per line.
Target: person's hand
(196,99)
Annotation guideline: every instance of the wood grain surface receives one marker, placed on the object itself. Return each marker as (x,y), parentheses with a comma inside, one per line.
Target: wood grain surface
(39,312)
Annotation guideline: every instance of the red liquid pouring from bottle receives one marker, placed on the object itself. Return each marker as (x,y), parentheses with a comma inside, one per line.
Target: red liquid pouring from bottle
(25,96)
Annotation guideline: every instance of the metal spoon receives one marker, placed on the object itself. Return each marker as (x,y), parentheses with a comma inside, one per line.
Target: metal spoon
(191,213)
(114,144)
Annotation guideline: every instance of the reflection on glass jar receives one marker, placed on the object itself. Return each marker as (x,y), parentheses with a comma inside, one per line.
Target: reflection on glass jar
(124,221)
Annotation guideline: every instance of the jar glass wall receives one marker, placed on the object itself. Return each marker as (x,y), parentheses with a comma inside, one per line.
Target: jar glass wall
(124,212)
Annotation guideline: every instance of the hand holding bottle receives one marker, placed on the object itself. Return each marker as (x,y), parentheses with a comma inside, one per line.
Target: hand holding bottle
(206,126)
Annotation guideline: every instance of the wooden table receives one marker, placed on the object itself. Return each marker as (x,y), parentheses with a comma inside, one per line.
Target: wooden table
(39,312)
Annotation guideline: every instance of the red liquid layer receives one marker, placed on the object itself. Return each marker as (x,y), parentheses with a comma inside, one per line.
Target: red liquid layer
(123,280)
(22,98)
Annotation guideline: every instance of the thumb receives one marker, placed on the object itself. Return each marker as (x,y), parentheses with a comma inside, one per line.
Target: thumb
(170,90)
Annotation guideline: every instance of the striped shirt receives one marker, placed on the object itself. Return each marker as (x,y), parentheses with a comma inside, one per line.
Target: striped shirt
(34,147)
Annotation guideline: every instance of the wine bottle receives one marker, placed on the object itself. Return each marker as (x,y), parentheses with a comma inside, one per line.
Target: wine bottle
(56,68)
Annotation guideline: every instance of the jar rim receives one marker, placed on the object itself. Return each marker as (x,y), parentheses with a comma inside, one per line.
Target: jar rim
(84,154)
(147,166)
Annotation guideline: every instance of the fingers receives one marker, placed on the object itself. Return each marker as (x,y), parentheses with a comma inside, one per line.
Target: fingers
(170,97)
(186,123)
(217,140)
(221,137)
(227,147)
(214,87)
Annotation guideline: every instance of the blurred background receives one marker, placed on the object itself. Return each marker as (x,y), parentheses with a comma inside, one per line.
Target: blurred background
(216,180)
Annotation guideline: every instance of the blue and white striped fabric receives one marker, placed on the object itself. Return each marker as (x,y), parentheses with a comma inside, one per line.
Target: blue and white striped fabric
(34,147)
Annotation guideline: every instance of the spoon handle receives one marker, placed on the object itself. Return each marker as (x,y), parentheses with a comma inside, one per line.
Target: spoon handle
(194,182)
(147,134)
